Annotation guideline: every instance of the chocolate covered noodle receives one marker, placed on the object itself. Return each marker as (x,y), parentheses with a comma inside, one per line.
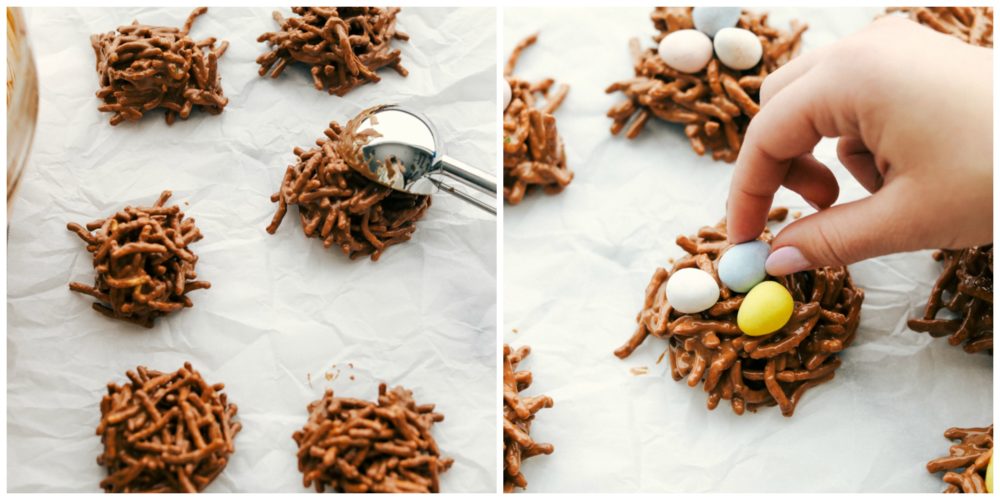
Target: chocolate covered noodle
(963,298)
(518,413)
(965,466)
(533,151)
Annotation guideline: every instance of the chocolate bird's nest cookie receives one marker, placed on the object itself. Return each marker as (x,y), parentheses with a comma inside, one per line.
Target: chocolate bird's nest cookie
(533,151)
(716,104)
(518,413)
(144,265)
(972,25)
(341,206)
(344,46)
(355,446)
(751,372)
(965,289)
(142,68)
(165,432)
(965,465)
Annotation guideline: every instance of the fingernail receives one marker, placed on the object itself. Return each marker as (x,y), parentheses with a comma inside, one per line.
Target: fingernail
(786,260)
(811,204)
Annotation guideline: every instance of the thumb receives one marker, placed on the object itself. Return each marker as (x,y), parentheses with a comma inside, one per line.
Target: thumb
(845,234)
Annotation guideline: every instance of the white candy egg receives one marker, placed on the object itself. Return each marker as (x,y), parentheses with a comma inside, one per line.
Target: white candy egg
(506,94)
(709,20)
(691,290)
(687,51)
(738,48)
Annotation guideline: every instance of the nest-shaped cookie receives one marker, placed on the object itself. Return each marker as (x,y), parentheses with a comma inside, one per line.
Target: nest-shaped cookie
(716,104)
(533,151)
(355,446)
(339,205)
(518,413)
(751,372)
(972,25)
(344,46)
(144,265)
(965,289)
(142,68)
(165,432)
(965,466)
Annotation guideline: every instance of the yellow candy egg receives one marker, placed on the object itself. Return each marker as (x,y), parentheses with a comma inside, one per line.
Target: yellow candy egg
(989,476)
(765,309)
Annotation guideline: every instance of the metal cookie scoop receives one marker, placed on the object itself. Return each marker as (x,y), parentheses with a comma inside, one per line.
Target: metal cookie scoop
(406,154)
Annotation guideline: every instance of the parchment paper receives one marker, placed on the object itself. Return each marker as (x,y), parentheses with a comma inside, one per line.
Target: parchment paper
(283,314)
(576,266)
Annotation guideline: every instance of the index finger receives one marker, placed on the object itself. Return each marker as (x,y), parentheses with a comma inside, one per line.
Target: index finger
(789,126)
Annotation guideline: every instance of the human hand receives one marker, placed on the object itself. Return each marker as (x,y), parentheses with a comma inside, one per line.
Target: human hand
(913,109)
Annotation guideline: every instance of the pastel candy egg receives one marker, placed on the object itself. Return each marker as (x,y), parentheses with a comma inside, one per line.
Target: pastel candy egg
(687,51)
(766,309)
(738,48)
(506,94)
(709,20)
(692,290)
(742,266)
(989,476)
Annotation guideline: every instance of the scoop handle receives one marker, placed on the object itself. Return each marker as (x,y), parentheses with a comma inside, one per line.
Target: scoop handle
(475,178)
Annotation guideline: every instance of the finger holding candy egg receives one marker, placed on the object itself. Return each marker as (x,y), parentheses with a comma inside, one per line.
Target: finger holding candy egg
(742,266)
(767,306)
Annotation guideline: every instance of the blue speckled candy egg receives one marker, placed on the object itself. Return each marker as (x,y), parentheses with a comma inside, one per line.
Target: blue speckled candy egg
(709,20)
(742,266)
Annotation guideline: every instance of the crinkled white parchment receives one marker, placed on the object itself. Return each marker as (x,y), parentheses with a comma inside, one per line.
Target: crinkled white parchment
(282,312)
(576,267)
